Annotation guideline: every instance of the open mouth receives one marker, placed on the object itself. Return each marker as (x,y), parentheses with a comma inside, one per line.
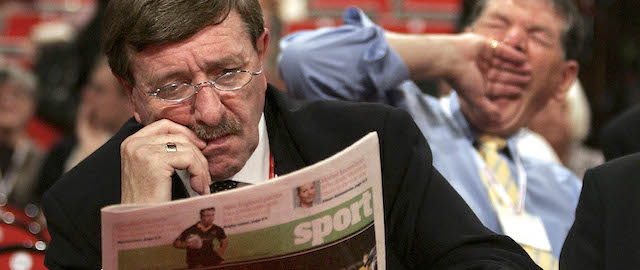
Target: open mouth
(503,100)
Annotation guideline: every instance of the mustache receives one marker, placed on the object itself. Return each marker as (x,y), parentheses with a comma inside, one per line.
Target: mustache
(226,126)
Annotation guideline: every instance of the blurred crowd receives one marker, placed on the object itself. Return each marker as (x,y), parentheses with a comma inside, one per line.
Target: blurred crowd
(59,101)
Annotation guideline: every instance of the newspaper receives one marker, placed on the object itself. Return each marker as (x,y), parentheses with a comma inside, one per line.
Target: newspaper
(319,217)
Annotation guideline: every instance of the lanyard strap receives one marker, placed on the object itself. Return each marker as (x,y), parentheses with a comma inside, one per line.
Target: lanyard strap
(272,166)
(499,189)
(445,105)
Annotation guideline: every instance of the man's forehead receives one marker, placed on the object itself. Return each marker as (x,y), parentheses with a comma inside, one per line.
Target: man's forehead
(212,47)
(536,13)
(231,29)
(506,6)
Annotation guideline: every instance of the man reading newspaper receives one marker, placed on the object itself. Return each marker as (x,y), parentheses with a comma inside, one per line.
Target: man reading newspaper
(193,71)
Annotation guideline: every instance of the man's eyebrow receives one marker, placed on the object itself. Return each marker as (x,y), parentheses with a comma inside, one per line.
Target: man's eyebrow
(226,61)
(498,15)
(157,80)
(541,28)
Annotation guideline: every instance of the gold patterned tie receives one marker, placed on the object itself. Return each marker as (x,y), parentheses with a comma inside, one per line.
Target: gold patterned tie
(488,148)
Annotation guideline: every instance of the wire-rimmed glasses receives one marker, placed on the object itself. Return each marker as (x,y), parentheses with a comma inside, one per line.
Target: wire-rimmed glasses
(229,81)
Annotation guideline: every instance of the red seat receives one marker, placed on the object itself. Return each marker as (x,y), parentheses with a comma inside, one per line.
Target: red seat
(19,23)
(450,6)
(369,5)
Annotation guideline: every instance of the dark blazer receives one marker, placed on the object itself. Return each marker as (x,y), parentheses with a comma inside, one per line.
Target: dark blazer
(620,136)
(605,232)
(54,163)
(427,223)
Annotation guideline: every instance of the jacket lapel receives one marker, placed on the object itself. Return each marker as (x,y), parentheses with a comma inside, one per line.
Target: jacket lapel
(286,154)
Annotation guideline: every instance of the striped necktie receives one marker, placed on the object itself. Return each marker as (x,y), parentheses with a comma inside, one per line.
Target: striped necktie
(218,186)
(489,148)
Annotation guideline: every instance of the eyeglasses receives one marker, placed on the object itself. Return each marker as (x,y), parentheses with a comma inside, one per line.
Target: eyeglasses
(229,81)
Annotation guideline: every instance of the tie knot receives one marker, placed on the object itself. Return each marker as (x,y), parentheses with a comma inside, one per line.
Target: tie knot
(218,186)
(490,142)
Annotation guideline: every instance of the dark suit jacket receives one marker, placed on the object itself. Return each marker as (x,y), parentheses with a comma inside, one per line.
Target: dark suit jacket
(54,163)
(428,225)
(620,136)
(605,232)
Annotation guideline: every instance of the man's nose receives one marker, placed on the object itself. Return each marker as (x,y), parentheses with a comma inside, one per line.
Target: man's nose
(516,37)
(207,106)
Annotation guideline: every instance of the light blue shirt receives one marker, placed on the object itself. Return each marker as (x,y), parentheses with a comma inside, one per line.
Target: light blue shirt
(355,62)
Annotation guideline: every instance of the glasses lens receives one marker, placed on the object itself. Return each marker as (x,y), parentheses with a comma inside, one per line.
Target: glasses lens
(175,92)
(233,80)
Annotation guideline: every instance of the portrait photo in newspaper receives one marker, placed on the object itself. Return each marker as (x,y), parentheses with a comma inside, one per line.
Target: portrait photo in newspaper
(307,195)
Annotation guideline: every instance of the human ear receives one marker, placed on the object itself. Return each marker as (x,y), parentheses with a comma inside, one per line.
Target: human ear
(262,44)
(128,88)
(569,75)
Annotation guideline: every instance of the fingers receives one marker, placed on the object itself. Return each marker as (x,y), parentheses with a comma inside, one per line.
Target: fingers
(506,53)
(502,56)
(162,139)
(496,75)
(189,157)
(499,89)
(200,182)
(165,126)
(186,156)
(507,71)
(148,164)
(521,68)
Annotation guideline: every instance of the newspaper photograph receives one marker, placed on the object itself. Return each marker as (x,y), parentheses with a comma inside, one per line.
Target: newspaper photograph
(326,216)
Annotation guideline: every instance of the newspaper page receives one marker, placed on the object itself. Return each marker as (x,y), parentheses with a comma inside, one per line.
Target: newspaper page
(319,217)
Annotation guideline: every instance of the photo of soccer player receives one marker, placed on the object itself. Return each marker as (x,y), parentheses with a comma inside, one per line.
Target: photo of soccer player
(198,241)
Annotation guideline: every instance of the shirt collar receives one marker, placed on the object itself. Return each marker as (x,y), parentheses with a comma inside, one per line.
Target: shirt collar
(255,171)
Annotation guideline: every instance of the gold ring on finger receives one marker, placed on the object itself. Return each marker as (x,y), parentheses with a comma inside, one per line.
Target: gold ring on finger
(494,43)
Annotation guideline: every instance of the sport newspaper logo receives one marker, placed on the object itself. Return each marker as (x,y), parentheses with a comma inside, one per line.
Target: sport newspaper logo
(358,214)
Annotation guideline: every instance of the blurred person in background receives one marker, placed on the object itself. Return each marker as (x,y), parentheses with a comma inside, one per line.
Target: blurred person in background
(20,158)
(565,124)
(362,62)
(63,67)
(103,109)
(273,21)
